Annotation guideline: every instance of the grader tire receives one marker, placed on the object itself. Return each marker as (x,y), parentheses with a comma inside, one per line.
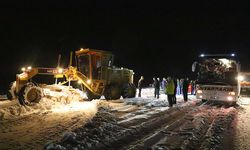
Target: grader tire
(92,96)
(129,90)
(33,94)
(30,93)
(112,92)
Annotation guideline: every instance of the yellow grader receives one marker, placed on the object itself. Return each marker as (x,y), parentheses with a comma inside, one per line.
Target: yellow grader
(94,70)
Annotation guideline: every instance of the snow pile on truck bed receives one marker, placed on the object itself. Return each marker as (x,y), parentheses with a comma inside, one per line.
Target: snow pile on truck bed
(55,96)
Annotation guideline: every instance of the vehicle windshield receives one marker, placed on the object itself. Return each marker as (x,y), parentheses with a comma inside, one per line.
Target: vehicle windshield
(83,65)
(221,71)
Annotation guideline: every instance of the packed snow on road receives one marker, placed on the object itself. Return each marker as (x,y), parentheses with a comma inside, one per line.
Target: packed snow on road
(64,119)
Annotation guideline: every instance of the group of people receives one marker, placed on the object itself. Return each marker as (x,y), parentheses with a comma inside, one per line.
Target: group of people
(170,86)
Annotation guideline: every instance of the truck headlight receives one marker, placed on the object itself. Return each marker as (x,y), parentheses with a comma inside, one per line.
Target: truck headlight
(199,91)
(240,78)
(231,93)
(229,98)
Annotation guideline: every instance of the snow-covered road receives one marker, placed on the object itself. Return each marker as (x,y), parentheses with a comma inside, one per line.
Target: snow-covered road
(135,123)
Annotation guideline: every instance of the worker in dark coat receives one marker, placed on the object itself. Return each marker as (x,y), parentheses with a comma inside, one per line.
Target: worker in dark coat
(157,87)
(185,89)
(140,85)
(175,88)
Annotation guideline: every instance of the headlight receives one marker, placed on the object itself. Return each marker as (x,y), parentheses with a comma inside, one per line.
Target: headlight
(60,70)
(229,98)
(231,93)
(240,78)
(23,69)
(199,91)
(29,68)
(88,81)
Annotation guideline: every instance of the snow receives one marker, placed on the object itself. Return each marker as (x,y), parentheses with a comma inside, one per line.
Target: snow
(90,124)
(54,99)
(242,136)
(147,99)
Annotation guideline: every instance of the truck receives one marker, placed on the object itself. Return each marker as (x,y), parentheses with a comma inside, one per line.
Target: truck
(244,78)
(217,78)
(93,69)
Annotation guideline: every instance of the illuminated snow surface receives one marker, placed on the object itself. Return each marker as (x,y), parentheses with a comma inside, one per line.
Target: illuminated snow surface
(64,116)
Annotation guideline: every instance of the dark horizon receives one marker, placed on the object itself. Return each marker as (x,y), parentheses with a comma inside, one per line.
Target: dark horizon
(153,39)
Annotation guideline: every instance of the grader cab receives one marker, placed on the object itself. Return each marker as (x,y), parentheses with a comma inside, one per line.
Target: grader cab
(93,69)
(104,78)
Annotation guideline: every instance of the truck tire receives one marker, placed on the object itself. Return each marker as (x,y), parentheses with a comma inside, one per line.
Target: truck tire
(129,90)
(92,96)
(112,92)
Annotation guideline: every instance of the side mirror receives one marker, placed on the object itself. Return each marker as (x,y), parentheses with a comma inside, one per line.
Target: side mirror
(194,66)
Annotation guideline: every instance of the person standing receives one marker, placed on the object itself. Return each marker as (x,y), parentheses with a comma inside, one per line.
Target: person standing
(170,91)
(175,89)
(163,84)
(185,89)
(140,85)
(181,86)
(157,87)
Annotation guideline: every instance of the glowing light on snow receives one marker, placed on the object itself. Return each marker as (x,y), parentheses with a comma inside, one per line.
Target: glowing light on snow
(76,106)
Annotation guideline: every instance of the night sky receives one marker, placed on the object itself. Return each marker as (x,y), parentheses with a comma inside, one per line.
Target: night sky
(155,38)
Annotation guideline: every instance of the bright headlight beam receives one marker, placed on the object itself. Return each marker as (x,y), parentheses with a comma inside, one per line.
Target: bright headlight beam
(23,69)
(60,70)
(240,78)
(88,81)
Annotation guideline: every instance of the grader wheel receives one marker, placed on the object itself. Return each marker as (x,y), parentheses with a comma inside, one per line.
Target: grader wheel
(30,94)
(129,90)
(92,96)
(33,94)
(112,92)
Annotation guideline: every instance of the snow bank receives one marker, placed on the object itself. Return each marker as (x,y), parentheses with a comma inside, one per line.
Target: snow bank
(54,99)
